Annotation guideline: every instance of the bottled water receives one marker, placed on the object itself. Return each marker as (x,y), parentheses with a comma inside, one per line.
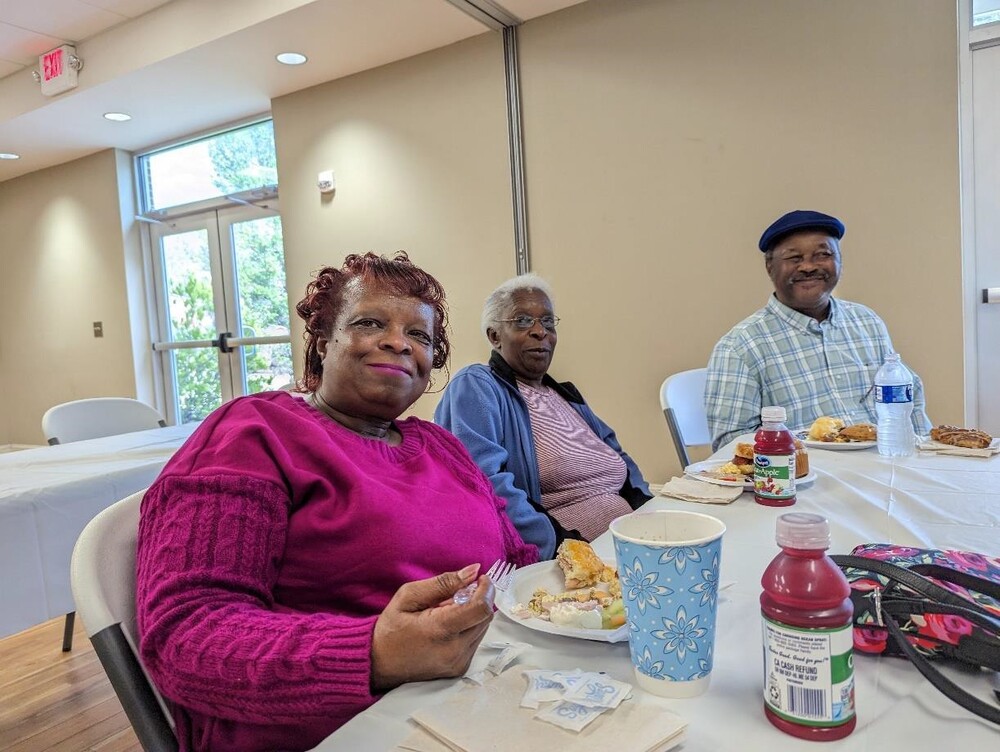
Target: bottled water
(893,405)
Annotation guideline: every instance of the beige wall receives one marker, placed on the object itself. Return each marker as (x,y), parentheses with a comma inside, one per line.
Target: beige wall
(661,137)
(62,254)
(419,149)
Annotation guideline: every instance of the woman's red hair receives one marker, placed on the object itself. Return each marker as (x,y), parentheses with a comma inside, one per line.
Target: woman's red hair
(320,308)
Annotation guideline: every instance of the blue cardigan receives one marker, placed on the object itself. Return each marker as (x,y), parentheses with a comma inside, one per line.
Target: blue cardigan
(484,409)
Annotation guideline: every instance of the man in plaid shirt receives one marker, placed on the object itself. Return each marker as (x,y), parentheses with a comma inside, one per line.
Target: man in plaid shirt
(805,350)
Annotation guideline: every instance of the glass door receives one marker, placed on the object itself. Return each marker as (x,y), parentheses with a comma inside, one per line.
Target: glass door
(222,307)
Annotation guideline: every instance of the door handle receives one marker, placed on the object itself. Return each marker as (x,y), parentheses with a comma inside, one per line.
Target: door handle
(991,295)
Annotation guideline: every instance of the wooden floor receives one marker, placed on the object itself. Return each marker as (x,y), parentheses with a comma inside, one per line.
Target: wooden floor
(54,701)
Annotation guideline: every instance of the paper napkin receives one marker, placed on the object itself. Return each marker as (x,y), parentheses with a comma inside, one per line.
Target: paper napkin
(929,445)
(489,718)
(690,489)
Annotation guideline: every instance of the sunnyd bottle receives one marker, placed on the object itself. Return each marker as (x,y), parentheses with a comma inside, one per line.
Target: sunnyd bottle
(894,405)
(773,460)
(808,641)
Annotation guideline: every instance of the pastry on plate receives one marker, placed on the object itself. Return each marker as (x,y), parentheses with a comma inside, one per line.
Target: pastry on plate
(580,565)
(970,438)
(801,460)
(859,432)
(743,459)
(825,428)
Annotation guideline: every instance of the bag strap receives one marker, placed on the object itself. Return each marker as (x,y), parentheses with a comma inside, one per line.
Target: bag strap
(956,577)
(904,605)
(914,581)
(945,685)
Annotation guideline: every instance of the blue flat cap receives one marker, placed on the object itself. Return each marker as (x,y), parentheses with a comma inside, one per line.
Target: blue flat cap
(796,221)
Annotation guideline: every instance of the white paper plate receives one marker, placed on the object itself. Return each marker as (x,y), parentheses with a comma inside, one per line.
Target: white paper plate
(548,575)
(834,446)
(699,471)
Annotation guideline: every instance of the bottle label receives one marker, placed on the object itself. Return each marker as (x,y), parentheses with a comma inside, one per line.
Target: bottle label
(774,475)
(809,674)
(894,394)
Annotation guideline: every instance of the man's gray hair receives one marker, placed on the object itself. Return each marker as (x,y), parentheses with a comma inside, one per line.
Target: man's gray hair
(496,304)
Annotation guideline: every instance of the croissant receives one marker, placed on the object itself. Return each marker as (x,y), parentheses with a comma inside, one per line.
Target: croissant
(969,438)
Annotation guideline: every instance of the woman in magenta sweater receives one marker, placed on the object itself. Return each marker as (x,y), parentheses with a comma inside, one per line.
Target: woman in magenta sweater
(297,557)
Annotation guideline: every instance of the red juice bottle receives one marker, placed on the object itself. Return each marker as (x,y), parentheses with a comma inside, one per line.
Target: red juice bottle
(808,640)
(773,460)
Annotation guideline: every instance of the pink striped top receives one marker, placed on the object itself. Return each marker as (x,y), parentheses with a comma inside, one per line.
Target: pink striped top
(580,475)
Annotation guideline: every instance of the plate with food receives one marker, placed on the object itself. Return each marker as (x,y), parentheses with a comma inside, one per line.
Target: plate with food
(964,438)
(739,470)
(720,473)
(577,595)
(834,434)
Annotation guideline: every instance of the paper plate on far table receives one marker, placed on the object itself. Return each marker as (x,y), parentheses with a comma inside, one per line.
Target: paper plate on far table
(548,575)
(708,471)
(833,446)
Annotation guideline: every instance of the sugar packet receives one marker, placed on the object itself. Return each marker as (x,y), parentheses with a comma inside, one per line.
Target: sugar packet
(546,686)
(569,715)
(598,691)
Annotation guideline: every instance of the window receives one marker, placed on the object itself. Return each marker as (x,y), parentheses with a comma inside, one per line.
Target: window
(217,265)
(209,167)
(985,12)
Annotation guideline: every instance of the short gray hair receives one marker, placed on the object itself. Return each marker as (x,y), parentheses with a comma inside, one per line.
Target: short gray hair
(498,300)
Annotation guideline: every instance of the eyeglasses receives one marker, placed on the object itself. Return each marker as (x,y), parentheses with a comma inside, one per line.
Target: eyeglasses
(526,322)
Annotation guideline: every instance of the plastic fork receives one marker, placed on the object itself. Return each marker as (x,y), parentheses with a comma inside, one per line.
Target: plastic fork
(501,574)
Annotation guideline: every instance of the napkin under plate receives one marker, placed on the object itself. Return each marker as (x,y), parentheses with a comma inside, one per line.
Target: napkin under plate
(929,445)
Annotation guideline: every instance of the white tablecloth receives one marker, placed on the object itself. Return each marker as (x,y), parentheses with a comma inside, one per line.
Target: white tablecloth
(48,495)
(927,501)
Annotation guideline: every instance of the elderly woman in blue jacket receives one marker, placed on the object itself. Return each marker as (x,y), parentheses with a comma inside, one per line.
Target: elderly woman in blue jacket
(558,466)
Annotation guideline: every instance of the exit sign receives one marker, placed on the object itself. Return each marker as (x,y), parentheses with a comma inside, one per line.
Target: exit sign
(58,75)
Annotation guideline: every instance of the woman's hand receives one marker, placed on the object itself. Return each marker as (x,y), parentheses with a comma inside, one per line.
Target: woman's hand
(416,638)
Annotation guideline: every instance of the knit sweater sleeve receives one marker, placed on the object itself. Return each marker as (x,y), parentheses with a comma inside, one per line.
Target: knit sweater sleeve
(210,548)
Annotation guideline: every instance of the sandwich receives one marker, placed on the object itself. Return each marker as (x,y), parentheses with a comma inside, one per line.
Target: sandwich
(741,465)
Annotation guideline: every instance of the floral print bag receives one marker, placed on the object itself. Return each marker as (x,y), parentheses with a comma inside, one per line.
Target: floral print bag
(925,603)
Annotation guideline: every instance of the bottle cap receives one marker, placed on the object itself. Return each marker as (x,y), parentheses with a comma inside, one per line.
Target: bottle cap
(773,414)
(803,530)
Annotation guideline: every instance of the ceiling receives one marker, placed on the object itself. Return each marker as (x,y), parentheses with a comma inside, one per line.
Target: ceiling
(179,67)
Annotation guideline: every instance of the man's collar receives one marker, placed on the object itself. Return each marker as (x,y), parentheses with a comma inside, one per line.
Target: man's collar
(800,320)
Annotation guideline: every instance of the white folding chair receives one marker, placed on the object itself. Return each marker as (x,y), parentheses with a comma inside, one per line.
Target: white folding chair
(97,417)
(102,573)
(91,419)
(682,397)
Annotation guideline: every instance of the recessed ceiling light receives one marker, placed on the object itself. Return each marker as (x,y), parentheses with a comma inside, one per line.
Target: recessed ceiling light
(291,58)
(118,117)
(9,155)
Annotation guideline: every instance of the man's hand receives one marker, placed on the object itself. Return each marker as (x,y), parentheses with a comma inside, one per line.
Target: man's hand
(417,638)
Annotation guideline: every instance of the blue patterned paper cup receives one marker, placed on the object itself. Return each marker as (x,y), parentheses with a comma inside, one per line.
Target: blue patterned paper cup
(668,564)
